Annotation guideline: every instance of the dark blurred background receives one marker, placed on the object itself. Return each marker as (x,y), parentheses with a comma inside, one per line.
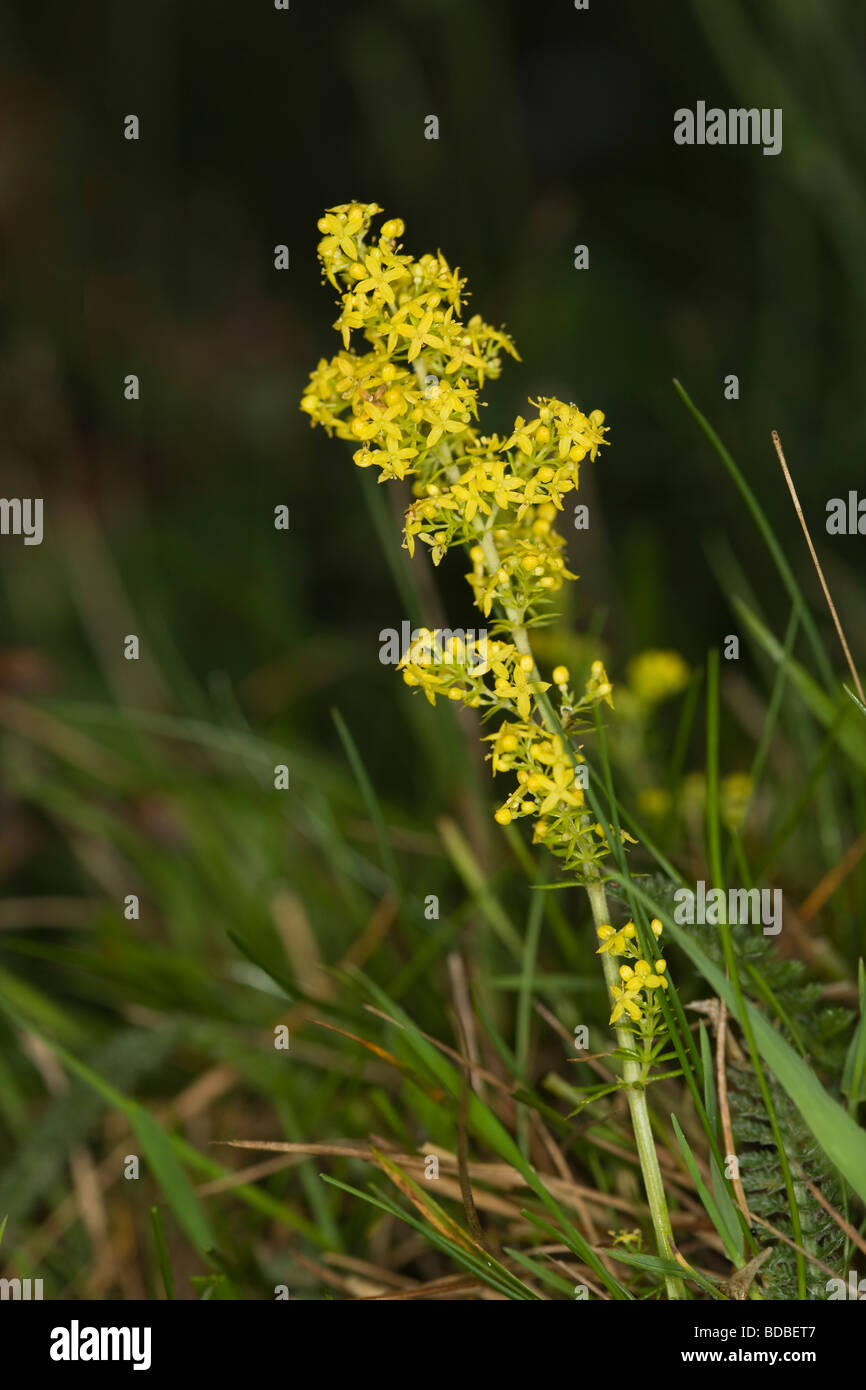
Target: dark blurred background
(556,128)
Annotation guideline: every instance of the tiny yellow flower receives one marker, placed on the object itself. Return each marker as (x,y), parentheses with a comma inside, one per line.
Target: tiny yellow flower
(613,945)
(632,980)
(627,1238)
(624,1003)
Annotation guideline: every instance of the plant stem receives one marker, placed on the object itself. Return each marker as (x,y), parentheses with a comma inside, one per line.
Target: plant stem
(632,1072)
(639,1110)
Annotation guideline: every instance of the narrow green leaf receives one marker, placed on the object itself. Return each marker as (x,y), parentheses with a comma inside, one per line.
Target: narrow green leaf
(854,1073)
(389,859)
(162,1252)
(726,1224)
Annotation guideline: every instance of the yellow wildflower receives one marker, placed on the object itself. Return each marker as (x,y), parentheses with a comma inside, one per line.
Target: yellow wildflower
(657,675)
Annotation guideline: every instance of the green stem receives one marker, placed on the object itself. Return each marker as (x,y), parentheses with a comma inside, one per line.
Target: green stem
(632,1074)
(639,1111)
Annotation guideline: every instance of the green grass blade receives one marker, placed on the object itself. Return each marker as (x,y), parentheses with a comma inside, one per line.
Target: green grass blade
(488,1127)
(389,859)
(162,1252)
(723,1217)
(766,530)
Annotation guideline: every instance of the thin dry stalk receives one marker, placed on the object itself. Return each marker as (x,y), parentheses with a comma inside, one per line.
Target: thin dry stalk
(830,604)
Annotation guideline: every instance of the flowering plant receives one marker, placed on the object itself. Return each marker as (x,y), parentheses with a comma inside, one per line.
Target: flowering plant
(410,404)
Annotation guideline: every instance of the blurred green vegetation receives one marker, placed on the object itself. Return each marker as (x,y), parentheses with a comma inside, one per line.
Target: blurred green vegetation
(156,777)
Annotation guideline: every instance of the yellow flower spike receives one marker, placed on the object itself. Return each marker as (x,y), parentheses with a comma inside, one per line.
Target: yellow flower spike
(405,390)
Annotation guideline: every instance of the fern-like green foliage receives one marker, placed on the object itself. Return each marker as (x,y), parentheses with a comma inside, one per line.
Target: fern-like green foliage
(820,1032)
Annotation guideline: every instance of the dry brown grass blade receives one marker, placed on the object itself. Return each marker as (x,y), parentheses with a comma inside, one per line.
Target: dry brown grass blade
(851,1233)
(443,1047)
(824,890)
(388,1277)
(347,1283)
(816,562)
(469,1208)
(304,1150)
(430,1210)
(496,1175)
(246,1175)
(807,1254)
(724,1106)
(451,1286)
(463,1006)
(370,1046)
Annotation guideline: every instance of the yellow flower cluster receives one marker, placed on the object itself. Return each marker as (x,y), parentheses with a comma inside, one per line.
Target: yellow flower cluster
(459,673)
(634,997)
(409,402)
(549,786)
